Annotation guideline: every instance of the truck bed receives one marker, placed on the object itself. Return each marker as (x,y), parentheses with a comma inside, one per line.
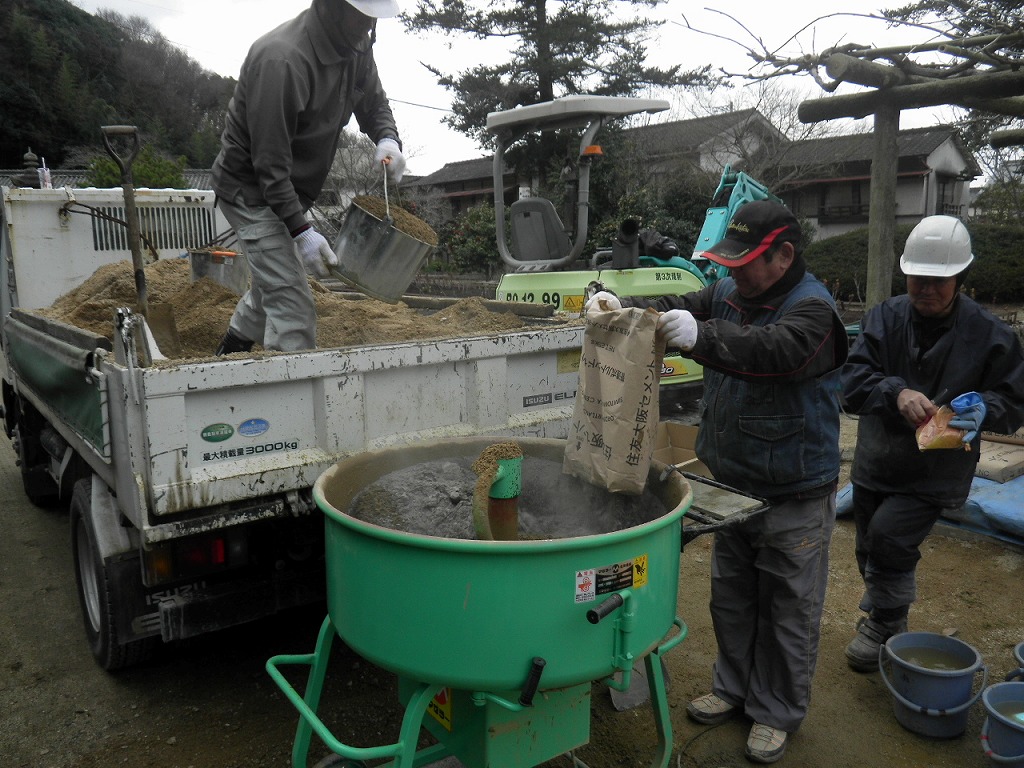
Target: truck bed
(186,442)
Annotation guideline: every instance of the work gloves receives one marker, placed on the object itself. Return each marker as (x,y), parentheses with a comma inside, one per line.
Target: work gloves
(611,301)
(316,252)
(970,412)
(679,329)
(677,325)
(389,153)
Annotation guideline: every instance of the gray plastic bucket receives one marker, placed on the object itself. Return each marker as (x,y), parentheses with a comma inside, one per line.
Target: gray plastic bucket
(931,702)
(1018,654)
(375,257)
(1002,736)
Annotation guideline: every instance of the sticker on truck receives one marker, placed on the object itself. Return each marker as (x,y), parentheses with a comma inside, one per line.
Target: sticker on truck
(217,433)
(251,450)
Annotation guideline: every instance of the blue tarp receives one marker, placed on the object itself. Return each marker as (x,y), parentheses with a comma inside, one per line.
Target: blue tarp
(992,509)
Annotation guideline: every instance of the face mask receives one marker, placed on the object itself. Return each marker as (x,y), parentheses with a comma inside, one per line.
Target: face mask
(358,30)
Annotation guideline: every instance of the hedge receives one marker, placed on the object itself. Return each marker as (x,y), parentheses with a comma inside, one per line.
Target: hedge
(997,275)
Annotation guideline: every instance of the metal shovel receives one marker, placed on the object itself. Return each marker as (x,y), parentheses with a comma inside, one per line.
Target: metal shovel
(159,317)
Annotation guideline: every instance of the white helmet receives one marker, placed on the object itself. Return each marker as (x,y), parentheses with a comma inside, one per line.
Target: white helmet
(376,9)
(939,246)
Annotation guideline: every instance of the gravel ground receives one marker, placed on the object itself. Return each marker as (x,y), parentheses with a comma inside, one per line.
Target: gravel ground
(208,703)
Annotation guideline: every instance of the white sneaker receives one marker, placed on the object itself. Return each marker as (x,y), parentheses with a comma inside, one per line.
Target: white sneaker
(765,744)
(710,710)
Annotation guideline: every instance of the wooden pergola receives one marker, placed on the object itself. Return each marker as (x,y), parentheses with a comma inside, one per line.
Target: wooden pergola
(983,72)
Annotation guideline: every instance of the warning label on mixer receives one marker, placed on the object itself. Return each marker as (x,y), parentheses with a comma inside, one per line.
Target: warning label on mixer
(440,708)
(592,582)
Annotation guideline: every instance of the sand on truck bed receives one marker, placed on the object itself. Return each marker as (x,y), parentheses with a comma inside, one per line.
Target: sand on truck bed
(202,309)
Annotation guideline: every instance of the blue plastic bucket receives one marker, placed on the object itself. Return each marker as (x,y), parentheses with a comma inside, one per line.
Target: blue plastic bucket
(931,700)
(1018,654)
(1002,735)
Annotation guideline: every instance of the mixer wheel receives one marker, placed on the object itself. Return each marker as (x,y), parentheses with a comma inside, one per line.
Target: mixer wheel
(337,761)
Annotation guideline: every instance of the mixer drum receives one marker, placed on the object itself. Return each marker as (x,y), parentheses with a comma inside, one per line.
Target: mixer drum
(473,614)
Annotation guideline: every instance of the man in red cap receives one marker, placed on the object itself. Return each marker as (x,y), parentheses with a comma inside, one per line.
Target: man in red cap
(771,344)
(299,86)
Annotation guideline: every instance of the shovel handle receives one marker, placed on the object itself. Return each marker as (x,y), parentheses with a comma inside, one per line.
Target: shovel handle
(124,163)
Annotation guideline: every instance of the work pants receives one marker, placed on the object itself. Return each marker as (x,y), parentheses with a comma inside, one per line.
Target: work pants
(277,311)
(890,531)
(768,579)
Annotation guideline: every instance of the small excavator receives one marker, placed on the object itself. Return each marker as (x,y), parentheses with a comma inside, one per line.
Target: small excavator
(544,255)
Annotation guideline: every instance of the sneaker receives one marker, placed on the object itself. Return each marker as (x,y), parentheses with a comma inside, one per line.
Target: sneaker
(232,343)
(710,710)
(765,744)
(862,652)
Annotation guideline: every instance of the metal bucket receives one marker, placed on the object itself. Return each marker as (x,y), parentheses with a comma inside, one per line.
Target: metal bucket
(474,614)
(228,268)
(375,257)
(932,700)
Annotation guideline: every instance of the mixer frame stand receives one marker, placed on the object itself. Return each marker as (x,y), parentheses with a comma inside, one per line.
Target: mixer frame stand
(404,752)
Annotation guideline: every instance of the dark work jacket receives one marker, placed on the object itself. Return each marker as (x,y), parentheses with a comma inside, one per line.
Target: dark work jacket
(770,413)
(299,86)
(979,353)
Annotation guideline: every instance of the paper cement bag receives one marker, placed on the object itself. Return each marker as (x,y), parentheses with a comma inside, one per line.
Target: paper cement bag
(615,416)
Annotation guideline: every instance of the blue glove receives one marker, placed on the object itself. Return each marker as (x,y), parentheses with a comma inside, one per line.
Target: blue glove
(970,412)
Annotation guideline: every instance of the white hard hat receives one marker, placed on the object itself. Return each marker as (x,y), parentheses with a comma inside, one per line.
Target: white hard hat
(939,246)
(377,9)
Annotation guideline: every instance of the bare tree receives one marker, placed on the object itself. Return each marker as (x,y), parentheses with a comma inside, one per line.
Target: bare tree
(773,157)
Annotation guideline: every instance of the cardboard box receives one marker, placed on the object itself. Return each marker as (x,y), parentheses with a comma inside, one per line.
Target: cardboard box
(674,445)
(1000,461)
(1017,438)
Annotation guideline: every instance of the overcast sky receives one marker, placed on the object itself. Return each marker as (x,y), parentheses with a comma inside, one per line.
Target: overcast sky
(217,33)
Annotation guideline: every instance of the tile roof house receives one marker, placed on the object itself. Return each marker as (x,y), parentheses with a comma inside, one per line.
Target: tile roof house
(464,184)
(708,143)
(827,179)
(933,176)
(195,178)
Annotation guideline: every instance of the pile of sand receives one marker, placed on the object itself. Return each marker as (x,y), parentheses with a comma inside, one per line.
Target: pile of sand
(203,308)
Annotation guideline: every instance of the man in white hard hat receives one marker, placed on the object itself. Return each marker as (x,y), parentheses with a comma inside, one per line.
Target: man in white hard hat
(299,86)
(933,346)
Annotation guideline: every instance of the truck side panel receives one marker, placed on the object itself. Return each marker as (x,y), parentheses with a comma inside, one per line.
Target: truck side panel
(222,432)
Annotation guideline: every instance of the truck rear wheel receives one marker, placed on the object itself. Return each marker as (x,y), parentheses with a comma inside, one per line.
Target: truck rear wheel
(95,593)
(39,487)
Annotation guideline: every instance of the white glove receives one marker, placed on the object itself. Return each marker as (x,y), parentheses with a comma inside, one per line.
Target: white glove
(679,329)
(389,153)
(316,252)
(610,299)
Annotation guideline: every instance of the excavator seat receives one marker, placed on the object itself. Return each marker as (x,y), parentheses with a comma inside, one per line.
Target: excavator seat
(537,232)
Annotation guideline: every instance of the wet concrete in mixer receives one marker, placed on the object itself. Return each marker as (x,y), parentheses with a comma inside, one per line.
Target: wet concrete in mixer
(435,499)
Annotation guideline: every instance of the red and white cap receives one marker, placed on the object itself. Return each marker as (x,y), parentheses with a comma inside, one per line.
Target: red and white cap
(754,228)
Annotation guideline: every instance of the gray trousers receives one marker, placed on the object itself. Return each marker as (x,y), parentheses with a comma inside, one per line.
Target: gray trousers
(768,579)
(277,311)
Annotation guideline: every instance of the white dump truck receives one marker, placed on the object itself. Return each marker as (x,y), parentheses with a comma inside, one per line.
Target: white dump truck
(189,483)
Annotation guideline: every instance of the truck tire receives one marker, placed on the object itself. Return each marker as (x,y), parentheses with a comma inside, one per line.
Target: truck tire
(39,487)
(95,594)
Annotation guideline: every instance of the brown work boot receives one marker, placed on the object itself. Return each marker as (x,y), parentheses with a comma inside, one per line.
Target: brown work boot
(862,652)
